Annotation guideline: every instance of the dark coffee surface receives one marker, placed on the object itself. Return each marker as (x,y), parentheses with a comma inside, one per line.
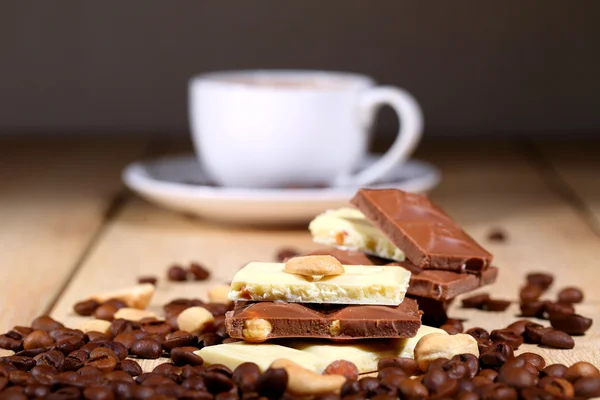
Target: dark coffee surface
(426,234)
(295,320)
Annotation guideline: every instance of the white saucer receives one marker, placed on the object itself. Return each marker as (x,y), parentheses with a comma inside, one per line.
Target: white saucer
(178,183)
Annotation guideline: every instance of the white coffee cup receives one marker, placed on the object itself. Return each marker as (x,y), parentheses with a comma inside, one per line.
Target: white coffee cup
(266,128)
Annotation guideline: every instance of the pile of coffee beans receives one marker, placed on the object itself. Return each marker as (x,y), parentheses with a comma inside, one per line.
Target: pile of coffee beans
(195,271)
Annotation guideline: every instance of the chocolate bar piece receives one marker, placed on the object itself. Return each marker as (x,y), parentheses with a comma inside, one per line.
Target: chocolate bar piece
(429,283)
(265,320)
(434,311)
(427,235)
(262,281)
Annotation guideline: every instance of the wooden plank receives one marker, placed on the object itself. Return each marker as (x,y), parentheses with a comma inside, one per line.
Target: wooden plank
(53,196)
(577,166)
(485,186)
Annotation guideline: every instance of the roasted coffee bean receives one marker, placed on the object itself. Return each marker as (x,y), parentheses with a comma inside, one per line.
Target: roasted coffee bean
(390,371)
(19,362)
(106,311)
(220,368)
(37,391)
(581,369)
(435,378)
(455,369)
(495,305)
(151,279)
(475,301)
(557,309)
(86,307)
(457,323)
(45,323)
(530,292)
(540,279)
(226,396)
(44,374)
(448,390)
(478,333)
(508,336)
(559,387)
(217,309)
(370,384)
(285,253)
(170,371)
(557,340)
(570,295)
(326,396)
(408,365)
(208,339)
(13,393)
(68,345)
(384,396)
(32,352)
(131,367)
(515,377)
(98,393)
(127,339)
(534,332)
(573,324)
(450,329)
(532,309)
(185,355)
(496,356)
(146,348)
(520,363)
(53,358)
(471,363)
(71,364)
(245,376)
(119,349)
(556,370)
(177,339)
(217,383)
(119,326)
(94,336)
(9,343)
(176,273)
(81,355)
(118,376)
(489,374)
(411,389)
(534,359)
(497,235)
(199,272)
(498,391)
(156,327)
(467,396)
(519,326)
(20,378)
(103,358)
(116,302)
(194,383)
(587,387)
(272,383)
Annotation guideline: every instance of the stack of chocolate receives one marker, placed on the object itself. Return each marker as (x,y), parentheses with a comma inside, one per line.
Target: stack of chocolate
(392,227)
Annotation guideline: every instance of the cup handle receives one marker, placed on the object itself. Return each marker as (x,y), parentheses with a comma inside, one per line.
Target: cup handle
(409,134)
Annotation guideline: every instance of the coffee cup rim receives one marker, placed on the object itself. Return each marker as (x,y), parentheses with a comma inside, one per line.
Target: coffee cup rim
(227,78)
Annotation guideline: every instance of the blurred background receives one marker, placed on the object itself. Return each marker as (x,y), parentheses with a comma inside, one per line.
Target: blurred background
(507,68)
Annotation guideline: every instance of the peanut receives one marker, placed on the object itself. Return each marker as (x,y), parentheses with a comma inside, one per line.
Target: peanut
(342,367)
(137,296)
(304,382)
(437,345)
(219,294)
(133,314)
(195,319)
(256,330)
(335,328)
(314,266)
(95,325)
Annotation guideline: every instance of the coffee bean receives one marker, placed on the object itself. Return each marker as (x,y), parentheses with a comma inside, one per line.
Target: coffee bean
(534,359)
(326,396)
(434,378)
(116,302)
(498,391)
(146,348)
(131,367)
(103,359)
(457,323)
(478,333)
(177,339)
(126,339)
(86,307)
(540,279)
(285,254)
(587,387)
(156,327)
(534,332)
(272,383)
(217,383)
(573,324)
(519,326)
(245,376)
(508,336)
(9,343)
(557,340)
(44,374)
(411,389)
(558,387)
(370,384)
(467,396)
(121,325)
(530,292)
(495,305)
(475,301)
(45,323)
(408,365)
(384,396)
(199,272)
(69,345)
(532,308)
(119,349)
(518,378)
(151,279)
(20,378)
(36,390)
(496,356)
(98,393)
(106,311)
(489,374)
(176,273)
(94,336)
(390,371)
(556,370)
(53,358)
(497,235)
(14,393)
(170,371)
(208,339)
(450,329)
(570,295)
(557,309)
(37,339)
(448,389)
(185,355)
(581,369)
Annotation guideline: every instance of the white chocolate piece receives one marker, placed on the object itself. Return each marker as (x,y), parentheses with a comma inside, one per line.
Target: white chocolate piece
(348,229)
(365,354)
(236,353)
(260,281)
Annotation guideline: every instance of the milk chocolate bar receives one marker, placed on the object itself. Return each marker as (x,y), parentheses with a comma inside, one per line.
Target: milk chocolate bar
(266,320)
(261,281)
(429,238)
(348,229)
(428,283)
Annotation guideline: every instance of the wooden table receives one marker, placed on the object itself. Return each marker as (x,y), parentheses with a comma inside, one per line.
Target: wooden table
(68,228)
